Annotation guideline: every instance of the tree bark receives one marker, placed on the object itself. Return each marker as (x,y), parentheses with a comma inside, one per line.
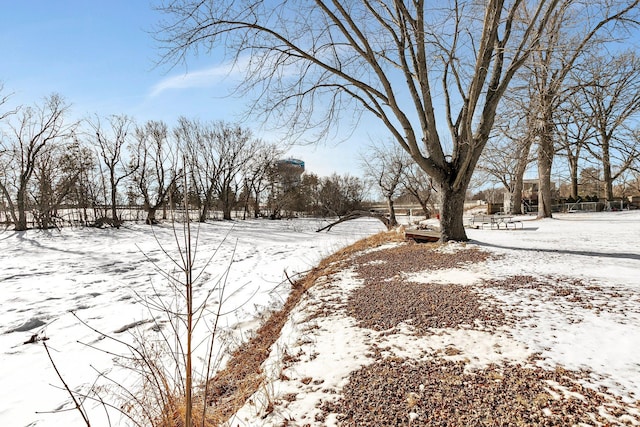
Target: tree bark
(392,213)
(451,221)
(521,167)
(573,167)
(21,206)
(606,170)
(225,198)
(151,216)
(545,162)
(114,209)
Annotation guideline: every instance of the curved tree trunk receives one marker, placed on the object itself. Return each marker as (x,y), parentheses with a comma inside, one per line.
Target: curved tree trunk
(355,215)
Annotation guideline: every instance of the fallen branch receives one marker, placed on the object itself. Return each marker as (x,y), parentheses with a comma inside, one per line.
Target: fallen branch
(358,214)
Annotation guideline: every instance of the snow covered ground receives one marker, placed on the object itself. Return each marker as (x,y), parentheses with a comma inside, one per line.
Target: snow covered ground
(102,276)
(585,314)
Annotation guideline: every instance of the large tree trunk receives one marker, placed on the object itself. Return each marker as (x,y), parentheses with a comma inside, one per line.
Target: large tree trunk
(546,152)
(226,212)
(425,209)
(451,222)
(256,207)
(204,212)
(151,216)
(574,182)
(226,203)
(516,196)
(521,167)
(606,171)
(21,206)
(573,172)
(545,162)
(206,203)
(114,208)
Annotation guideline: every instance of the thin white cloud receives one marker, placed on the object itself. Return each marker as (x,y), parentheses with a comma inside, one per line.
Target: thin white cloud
(197,79)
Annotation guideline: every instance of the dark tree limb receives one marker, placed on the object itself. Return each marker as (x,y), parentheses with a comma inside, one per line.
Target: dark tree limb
(359,214)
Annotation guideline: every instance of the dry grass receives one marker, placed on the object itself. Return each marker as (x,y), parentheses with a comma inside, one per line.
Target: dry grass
(232,387)
(177,416)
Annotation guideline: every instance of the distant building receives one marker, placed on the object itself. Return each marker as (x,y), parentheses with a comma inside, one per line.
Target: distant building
(288,173)
(530,189)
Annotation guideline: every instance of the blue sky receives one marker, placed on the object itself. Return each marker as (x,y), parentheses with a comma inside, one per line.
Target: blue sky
(101,57)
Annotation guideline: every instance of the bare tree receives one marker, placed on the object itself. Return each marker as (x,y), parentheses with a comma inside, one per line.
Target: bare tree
(574,134)
(4,99)
(572,30)
(234,146)
(56,173)
(33,131)
(385,165)
(84,193)
(340,194)
(216,153)
(380,57)
(609,102)
(419,186)
(197,141)
(255,174)
(508,150)
(111,143)
(5,152)
(156,162)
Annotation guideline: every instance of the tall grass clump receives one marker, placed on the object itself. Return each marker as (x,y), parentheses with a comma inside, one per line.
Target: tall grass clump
(169,360)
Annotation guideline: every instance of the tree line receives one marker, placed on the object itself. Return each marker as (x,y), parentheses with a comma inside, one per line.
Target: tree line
(433,75)
(55,171)
(592,127)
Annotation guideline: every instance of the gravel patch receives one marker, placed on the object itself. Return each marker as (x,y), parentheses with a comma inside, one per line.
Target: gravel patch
(441,393)
(387,299)
(412,258)
(384,305)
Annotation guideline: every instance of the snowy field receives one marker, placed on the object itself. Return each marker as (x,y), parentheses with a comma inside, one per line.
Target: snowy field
(104,275)
(590,322)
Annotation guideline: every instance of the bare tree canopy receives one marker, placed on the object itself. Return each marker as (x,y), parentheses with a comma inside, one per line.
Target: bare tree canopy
(574,29)
(609,102)
(412,65)
(32,133)
(385,165)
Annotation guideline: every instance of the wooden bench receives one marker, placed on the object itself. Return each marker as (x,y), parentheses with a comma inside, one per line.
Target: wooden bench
(419,235)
